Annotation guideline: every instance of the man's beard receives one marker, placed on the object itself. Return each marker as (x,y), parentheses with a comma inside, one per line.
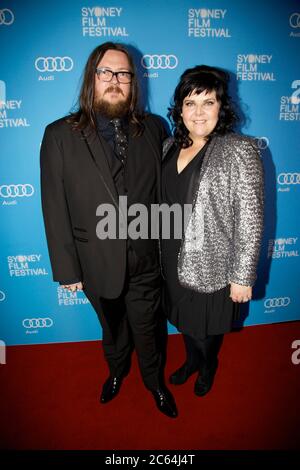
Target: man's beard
(112,110)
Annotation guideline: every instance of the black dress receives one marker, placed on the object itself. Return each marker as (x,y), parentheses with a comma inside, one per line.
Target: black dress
(193,313)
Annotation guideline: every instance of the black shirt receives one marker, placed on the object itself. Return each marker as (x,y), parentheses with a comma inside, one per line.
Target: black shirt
(118,170)
(175,188)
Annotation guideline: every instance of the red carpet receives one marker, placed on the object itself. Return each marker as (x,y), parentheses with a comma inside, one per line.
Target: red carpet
(49,398)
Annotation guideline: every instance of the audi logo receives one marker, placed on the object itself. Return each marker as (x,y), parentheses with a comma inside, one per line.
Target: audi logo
(54,64)
(277,302)
(288,178)
(6,17)
(37,323)
(16,190)
(262,142)
(295,20)
(2,296)
(159,61)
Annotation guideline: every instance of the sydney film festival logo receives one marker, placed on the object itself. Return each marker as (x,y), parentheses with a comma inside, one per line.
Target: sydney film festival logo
(66,298)
(103,22)
(207,23)
(9,110)
(255,67)
(289,108)
(26,265)
(283,248)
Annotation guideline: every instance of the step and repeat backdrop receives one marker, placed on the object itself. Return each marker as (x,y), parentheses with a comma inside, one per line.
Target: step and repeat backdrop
(44,47)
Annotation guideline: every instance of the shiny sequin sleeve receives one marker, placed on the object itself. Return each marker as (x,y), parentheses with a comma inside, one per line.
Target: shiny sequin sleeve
(248,197)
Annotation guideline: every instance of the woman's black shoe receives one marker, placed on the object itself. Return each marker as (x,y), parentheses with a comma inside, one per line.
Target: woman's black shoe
(181,375)
(205,381)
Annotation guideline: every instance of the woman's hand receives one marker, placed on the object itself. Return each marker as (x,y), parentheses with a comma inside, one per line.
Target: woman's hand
(240,293)
(73,287)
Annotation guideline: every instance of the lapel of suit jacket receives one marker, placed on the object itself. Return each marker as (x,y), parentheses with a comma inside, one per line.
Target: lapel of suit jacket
(98,154)
(198,176)
(145,141)
(208,152)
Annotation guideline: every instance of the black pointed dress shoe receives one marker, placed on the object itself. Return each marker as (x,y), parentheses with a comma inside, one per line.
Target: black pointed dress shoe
(165,402)
(204,381)
(181,375)
(110,389)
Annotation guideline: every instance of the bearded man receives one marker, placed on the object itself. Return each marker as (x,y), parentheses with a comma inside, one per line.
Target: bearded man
(105,150)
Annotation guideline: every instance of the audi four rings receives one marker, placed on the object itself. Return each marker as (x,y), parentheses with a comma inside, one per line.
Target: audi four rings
(6,17)
(159,61)
(288,178)
(295,20)
(277,302)
(54,64)
(262,142)
(37,322)
(16,190)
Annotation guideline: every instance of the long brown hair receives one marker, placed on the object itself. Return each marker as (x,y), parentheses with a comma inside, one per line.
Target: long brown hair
(85,113)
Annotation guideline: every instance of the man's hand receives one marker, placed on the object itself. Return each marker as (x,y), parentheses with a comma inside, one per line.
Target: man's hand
(73,287)
(240,293)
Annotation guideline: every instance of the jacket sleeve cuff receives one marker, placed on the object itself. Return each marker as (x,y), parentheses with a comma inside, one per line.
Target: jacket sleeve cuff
(243,281)
(66,283)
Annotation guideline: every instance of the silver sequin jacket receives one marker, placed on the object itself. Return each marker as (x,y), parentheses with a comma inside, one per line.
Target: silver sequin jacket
(222,239)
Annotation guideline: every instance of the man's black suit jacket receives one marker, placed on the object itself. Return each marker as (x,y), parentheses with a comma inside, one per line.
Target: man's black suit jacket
(75,180)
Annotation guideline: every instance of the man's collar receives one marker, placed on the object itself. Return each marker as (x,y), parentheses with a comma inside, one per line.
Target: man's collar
(103,122)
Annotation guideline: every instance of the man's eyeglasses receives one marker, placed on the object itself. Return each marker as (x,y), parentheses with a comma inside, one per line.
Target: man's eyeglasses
(107,75)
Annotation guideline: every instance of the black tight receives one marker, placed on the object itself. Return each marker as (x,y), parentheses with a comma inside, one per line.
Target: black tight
(202,353)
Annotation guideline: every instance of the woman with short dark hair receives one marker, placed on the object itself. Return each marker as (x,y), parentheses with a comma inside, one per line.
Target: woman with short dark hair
(212,268)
